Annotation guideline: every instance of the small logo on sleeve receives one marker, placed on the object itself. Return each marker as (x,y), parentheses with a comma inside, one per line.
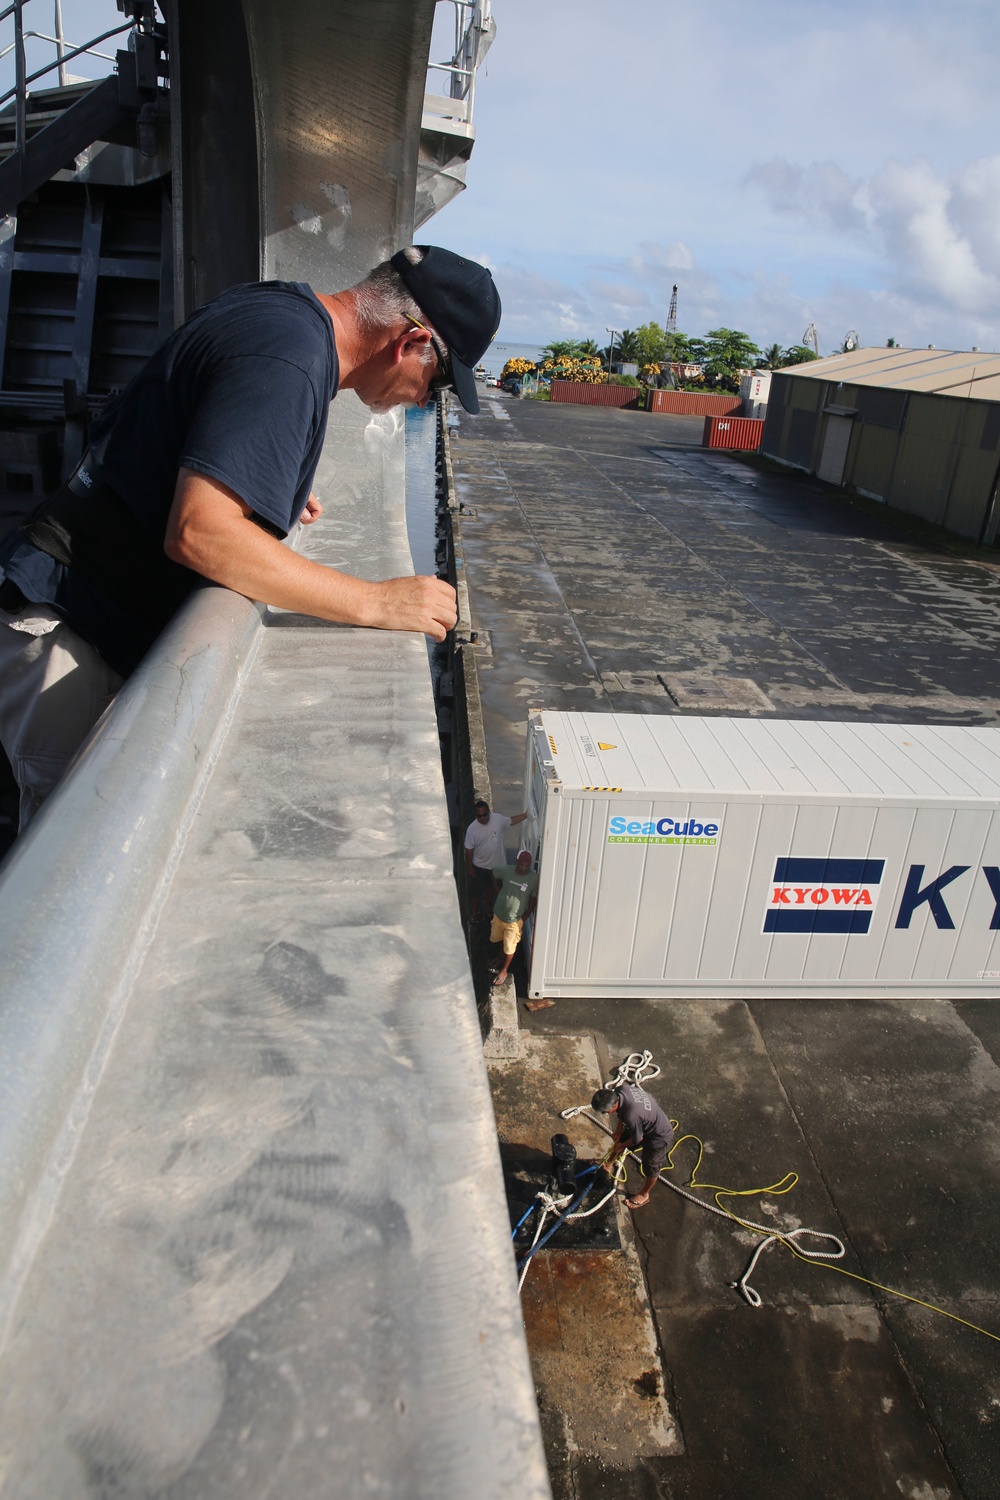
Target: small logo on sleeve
(823,895)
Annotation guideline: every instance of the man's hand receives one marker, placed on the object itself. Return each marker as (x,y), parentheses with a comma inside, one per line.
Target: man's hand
(210,530)
(421,603)
(312,512)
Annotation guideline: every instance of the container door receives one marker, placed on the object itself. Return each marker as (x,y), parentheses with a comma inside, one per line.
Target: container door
(534,789)
(533,829)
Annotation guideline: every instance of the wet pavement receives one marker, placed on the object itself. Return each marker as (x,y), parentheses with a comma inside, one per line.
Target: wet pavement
(612,565)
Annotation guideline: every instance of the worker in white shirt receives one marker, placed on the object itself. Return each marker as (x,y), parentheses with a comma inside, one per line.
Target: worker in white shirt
(483,850)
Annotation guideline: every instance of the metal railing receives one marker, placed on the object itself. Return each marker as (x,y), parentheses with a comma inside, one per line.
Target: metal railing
(45,137)
(474,33)
(65,52)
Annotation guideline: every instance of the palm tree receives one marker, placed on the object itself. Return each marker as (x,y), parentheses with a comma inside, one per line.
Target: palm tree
(561,349)
(627,347)
(772,358)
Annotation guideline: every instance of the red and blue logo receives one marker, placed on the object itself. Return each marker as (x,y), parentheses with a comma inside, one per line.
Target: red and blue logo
(823,895)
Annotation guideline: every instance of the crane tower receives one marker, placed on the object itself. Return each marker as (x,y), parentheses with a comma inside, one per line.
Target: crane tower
(672,314)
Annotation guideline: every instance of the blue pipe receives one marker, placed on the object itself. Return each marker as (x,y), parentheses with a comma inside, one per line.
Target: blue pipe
(531,1207)
(546,1237)
(579,1177)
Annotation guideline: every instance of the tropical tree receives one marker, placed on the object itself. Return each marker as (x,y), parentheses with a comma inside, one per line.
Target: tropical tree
(652,344)
(588,347)
(727,352)
(772,358)
(678,348)
(798,354)
(561,349)
(627,347)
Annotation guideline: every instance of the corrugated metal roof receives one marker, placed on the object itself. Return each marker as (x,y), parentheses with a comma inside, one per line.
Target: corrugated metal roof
(944,372)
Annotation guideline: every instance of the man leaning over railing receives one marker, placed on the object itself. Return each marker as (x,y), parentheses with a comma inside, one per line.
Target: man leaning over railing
(201,466)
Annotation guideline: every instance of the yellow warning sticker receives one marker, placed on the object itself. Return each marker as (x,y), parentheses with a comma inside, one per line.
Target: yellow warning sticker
(602,746)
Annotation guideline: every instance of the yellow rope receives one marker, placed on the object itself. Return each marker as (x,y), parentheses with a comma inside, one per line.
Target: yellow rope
(778,1189)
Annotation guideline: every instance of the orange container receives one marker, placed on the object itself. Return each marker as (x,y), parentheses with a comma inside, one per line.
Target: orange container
(694,404)
(743,433)
(580,394)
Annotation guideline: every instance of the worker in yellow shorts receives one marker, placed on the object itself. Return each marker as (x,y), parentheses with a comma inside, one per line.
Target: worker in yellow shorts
(516,901)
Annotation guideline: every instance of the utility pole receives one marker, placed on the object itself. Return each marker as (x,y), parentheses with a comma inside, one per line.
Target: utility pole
(611,348)
(811,337)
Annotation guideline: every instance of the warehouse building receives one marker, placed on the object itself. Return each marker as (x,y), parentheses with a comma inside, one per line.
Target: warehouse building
(916,428)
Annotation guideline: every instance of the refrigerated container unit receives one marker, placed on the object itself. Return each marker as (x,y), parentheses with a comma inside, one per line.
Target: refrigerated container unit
(754,391)
(737,857)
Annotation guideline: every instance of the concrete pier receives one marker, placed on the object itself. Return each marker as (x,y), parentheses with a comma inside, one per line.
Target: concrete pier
(612,564)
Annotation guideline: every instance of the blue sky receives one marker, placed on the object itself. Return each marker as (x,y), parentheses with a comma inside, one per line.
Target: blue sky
(791,162)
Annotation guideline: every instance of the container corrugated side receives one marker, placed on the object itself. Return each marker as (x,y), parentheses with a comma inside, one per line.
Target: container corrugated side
(818,894)
(693,403)
(579,393)
(742,433)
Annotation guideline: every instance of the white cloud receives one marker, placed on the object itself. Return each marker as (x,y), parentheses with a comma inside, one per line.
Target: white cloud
(936,239)
(911,208)
(821,193)
(872,206)
(975,206)
(540,308)
(675,257)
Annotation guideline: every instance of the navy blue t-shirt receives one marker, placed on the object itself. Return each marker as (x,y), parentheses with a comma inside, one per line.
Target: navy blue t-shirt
(240,393)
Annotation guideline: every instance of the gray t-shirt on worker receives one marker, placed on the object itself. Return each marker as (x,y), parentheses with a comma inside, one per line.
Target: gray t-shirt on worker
(642,1117)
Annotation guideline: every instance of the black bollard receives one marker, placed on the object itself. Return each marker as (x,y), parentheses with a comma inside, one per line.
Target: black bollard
(563,1163)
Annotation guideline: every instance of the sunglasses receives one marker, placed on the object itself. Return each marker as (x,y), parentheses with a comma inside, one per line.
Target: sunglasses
(443,379)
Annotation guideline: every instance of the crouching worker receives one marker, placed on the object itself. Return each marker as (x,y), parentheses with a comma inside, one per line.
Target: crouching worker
(640,1122)
(514,904)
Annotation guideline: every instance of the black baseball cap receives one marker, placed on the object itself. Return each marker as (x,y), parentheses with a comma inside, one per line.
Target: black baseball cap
(460,299)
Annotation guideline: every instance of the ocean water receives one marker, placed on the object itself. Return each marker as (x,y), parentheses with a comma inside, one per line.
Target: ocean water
(498,354)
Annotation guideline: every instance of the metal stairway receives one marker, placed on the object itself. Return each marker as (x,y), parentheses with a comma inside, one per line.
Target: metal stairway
(43,133)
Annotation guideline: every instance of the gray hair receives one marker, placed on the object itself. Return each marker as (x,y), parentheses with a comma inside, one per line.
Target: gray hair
(382,300)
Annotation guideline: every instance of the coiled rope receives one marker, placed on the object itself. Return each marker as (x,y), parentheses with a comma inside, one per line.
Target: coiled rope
(639,1068)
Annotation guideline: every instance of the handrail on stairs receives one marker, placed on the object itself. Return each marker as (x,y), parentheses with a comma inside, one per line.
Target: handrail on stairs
(132,92)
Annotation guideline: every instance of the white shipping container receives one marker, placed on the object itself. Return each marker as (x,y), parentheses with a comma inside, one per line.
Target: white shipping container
(724,857)
(755,389)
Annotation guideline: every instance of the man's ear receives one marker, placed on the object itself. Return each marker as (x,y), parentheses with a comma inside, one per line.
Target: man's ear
(410,339)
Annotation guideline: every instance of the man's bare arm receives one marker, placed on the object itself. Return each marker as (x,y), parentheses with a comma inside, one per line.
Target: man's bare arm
(210,531)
